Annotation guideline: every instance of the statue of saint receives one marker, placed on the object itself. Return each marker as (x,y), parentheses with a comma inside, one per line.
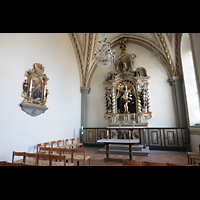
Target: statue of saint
(127,97)
(143,98)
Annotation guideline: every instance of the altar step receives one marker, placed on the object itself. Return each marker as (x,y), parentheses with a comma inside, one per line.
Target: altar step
(124,150)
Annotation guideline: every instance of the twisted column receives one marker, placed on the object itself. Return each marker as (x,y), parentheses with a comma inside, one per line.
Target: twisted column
(113,100)
(139,106)
(148,99)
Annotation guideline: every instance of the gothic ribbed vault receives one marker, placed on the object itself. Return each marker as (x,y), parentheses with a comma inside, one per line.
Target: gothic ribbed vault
(165,46)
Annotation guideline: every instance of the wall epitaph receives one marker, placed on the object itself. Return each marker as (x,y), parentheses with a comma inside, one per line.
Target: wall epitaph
(35,91)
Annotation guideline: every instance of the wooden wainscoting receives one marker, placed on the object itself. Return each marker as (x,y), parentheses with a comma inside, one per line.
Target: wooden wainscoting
(155,138)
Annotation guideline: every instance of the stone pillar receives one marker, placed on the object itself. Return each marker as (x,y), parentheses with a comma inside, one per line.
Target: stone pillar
(84,106)
(179,101)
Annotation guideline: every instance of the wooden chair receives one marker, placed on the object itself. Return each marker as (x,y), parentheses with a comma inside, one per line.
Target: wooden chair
(189,154)
(171,164)
(196,161)
(132,163)
(53,142)
(55,151)
(77,144)
(66,145)
(194,156)
(44,162)
(29,165)
(79,158)
(45,150)
(39,145)
(59,163)
(13,164)
(68,156)
(72,144)
(154,164)
(31,161)
(47,144)
(3,163)
(58,143)
(18,154)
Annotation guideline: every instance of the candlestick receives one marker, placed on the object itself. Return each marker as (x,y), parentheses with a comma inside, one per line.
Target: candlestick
(107,134)
(129,135)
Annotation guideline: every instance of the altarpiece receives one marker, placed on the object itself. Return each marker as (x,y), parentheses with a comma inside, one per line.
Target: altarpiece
(127,96)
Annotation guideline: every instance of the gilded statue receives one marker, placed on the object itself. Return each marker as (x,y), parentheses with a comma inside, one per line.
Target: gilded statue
(127,97)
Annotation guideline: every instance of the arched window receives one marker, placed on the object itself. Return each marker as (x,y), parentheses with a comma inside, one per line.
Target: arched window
(190,82)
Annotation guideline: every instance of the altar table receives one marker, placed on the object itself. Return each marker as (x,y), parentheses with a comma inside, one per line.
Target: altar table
(118,141)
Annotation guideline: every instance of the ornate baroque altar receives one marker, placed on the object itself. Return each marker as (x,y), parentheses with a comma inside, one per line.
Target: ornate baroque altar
(127,96)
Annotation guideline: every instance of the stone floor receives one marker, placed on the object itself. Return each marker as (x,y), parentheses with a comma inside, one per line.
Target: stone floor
(97,159)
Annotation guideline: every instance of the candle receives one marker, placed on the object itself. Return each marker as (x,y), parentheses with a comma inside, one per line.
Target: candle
(107,134)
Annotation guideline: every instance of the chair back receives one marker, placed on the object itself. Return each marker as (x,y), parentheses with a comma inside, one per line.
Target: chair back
(55,150)
(39,145)
(77,151)
(31,155)
(58,143)
(47,144)
(45,149)
(171,164)
(53,142)
(154,164)
(58,158)
(64,151)
(132,163)
(18,154)
(45,156)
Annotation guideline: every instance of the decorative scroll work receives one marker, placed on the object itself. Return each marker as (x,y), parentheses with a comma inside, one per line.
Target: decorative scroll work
(127,95)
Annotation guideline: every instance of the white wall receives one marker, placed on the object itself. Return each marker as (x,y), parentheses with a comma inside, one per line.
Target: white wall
(162,104)
(18,53)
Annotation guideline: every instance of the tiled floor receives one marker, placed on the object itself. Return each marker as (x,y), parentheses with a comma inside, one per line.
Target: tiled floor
(97,159)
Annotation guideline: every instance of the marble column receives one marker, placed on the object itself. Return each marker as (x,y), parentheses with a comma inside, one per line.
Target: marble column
(179,101)
(84,106)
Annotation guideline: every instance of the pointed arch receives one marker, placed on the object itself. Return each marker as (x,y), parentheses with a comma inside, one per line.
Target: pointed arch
(145,43)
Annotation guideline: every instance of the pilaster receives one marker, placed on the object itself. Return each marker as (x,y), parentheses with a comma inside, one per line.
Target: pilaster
(84,106)
(179,101)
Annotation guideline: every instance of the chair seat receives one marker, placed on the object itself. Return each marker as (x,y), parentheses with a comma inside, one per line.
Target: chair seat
(192,153)
(43,163)
(63,146)
(197,161)
(80,157)
(45,152)
(79,144)
(18,161)
(31,161)
(68,156)
(61,164)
